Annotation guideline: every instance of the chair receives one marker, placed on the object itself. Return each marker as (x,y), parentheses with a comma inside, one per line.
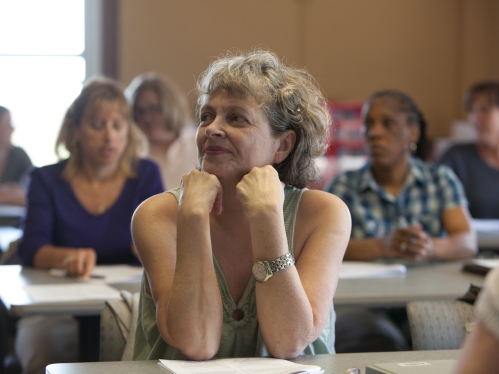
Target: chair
(9,257)
(439,324)
(117,328)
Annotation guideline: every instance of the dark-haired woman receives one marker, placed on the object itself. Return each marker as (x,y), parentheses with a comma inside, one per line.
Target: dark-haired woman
(477,164)
(14,164)
(400,205)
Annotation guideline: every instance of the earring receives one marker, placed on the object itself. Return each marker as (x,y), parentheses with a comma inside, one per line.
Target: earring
(413,147)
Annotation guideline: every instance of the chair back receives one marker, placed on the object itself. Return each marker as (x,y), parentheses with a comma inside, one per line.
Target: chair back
(439,324)
(117,328)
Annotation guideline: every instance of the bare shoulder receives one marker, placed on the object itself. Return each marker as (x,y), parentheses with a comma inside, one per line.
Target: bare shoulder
(162,206)
(320,205)
(323,221)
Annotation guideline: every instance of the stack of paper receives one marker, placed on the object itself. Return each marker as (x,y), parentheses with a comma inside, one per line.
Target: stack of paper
(358,269)
(53,293)
(257,365)
(418,367)
(480,266)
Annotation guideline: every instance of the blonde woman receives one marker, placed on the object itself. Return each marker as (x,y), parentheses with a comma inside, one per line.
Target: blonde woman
(79,210)
(161,111)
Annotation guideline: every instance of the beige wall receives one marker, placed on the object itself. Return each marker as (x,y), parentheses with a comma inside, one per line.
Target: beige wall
(432,49)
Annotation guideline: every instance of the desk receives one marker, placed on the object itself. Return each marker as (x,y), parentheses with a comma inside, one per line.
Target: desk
(435,281)
(10,215)
(329,363)
(17,301)
(443,281)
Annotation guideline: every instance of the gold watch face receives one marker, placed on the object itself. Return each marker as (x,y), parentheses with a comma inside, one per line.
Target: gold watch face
(260,272)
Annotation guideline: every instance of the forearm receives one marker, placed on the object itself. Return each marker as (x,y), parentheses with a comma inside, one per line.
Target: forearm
(363,249)
(51,256)
(194,308)
(456,246)
(284,312)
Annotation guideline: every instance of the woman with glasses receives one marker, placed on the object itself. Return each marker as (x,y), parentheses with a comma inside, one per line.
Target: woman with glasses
(161,111)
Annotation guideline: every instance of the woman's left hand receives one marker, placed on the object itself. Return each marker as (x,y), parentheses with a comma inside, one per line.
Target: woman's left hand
(261,189)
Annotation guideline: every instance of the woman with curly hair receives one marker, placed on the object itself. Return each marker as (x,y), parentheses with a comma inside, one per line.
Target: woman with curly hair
(242,260)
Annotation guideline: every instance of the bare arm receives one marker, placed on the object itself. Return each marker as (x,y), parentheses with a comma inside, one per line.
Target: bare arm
(174,245)
(480,352)
(76,261)
(12,193)
(461,240)
(293,305)
(414,243)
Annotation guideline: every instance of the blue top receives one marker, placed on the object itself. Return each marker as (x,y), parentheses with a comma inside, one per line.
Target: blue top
(479,179)
(56,217)
(428,191)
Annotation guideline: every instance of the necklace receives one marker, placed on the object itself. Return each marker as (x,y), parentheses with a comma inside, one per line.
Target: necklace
(104,199)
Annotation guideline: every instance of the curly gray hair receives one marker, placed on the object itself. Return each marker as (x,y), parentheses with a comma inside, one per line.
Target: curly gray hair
(288,96)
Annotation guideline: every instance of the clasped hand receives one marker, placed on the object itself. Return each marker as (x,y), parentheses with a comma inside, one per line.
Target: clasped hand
(259,189)
(412,243)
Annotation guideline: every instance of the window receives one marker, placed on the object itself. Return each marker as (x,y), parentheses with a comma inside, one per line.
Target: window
(44,48)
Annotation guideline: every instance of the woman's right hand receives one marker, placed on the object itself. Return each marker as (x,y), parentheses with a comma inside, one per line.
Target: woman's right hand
(200,190)
(80,262)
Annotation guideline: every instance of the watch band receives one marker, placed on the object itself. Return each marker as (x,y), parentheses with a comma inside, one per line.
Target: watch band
(281,263)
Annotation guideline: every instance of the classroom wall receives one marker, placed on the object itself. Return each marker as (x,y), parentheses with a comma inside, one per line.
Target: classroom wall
(432,49)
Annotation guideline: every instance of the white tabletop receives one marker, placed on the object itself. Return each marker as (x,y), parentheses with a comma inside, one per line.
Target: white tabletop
(11,210)
(14,279)
(330,363)
(487,233)
(435,281)
(443,281)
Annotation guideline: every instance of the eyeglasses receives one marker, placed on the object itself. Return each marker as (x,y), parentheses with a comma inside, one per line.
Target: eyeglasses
(151,109)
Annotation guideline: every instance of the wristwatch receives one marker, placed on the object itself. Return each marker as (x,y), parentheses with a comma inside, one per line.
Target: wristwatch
(263,270)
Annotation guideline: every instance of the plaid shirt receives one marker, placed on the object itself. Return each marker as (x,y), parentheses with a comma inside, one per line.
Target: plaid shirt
(428,191)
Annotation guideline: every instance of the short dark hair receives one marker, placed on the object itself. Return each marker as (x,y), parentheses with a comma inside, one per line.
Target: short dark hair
(490,88)
(3,110)
(414,115)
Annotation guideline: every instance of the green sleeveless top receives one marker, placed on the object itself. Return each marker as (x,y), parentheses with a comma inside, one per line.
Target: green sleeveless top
(241,338)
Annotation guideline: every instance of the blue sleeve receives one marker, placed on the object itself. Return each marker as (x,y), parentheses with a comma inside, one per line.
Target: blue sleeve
(451,189)
(150,178)
(38,223)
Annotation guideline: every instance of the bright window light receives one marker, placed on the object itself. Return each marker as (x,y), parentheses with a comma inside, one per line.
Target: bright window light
(48,27)
(41,69)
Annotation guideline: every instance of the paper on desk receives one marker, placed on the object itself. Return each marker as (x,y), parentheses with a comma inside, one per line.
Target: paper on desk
(53,293)
(119,273)
(358,269)
(486,225)
(251,365)
(108,274)
(487,231)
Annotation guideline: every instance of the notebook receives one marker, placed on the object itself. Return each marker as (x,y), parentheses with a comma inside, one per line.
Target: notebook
(480,266)
(255,365)
(414,367)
